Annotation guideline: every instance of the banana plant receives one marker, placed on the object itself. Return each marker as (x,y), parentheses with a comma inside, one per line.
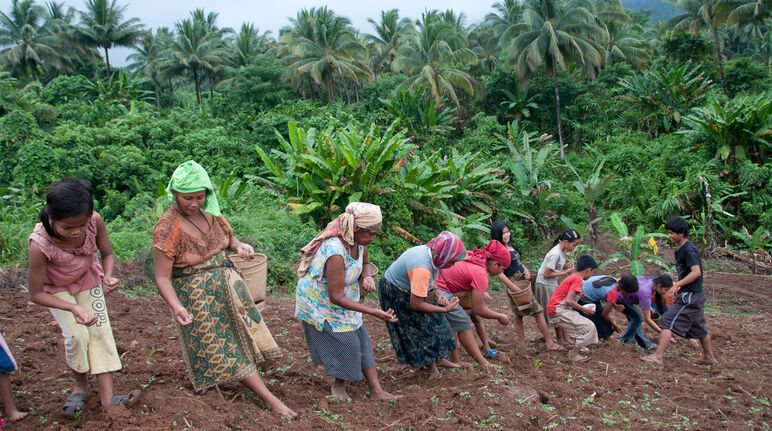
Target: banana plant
(321,171)
(758,240)
(591,190)
(637,248)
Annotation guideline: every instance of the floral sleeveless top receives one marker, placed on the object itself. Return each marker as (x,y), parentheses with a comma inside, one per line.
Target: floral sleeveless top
(312,301)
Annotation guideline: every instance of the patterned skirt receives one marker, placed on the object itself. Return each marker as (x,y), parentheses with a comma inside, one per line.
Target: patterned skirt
(419,339)
(228,337)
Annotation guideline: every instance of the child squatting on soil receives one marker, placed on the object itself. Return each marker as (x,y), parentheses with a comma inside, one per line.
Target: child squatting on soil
(66,276)
(686,317)
(563,309)
(8,365)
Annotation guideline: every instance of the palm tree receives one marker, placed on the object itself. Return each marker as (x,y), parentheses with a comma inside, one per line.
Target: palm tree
(624,42)
(554,34)
(147,59)
(505,22)
(389,35)
(102,26)
(28,41)
(703,14)
(197,50)
(484,43)
(247,44)
(749,12)
(430,61)
(324,47)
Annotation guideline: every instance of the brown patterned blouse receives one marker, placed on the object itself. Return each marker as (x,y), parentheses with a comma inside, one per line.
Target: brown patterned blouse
(185,250)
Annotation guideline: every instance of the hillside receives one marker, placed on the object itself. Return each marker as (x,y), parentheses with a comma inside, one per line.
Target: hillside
(661,10)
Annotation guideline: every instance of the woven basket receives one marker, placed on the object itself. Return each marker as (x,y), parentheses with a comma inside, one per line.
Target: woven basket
(255,274)
(524,296)
(464,299)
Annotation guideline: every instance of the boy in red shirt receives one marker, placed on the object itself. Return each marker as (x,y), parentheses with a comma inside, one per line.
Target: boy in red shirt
(563,309)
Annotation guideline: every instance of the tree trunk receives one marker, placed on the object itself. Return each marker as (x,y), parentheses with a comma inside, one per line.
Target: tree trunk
(157,96)
(356,91)
(718,59)
(198,87)
(330,89)
(171,90)
(211,87)
(557,110)
(107,61)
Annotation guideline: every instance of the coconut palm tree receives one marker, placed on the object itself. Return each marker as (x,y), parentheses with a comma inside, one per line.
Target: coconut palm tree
(196,50)
(430,61)
(484,42)
(556,33)
(147,59)
(102,26)
(324,47)
(247,44)
(703,14)
(625,42)
(27,40)
(389,35)
(504,21)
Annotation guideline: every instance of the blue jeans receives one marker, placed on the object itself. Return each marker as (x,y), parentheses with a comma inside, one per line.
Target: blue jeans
(634,331)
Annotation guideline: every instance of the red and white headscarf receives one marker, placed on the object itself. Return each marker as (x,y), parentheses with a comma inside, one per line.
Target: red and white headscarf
(447,247)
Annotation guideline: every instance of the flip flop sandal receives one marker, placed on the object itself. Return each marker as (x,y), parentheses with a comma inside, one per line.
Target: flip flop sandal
(75,403)
(127,400)
(491,353)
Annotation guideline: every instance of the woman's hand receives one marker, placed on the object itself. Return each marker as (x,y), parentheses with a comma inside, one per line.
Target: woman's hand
(568,267)
(110,283)
(451,305)
(619,307)
(616,327)
(182,316)
(526,273)
(503,319)
(387,315)
(488,298)
(368,284)
(82,316)
(245,251)
(442,301)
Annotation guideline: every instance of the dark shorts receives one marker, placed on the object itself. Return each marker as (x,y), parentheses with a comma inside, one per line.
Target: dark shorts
(686,317)
(458,319)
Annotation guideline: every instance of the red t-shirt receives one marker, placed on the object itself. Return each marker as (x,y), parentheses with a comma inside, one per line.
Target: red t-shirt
(463,276)
(572,283)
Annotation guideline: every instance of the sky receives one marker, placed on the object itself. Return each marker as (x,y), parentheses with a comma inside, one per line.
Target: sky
(272,15)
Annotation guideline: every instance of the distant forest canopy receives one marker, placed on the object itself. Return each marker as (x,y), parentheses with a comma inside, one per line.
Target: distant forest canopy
(659,10)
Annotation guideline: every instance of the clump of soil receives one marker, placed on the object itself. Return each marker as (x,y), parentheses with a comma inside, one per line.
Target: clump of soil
(613,391)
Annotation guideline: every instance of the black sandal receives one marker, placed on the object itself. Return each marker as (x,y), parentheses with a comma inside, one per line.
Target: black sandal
(75,404)
(127,400)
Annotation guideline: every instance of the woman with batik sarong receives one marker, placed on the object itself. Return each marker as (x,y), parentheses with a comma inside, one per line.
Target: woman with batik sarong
(223,336)
(422,336)
(330,274)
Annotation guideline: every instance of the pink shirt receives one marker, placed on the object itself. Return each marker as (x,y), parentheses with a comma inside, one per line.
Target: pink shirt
(74,270)
(463,276)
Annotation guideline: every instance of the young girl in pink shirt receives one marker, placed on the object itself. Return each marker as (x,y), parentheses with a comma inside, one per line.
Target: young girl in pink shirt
(66,276)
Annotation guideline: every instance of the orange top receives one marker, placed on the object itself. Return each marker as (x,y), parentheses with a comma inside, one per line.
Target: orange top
(170,238)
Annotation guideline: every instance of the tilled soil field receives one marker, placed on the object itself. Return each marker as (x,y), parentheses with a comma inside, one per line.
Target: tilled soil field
(615,390)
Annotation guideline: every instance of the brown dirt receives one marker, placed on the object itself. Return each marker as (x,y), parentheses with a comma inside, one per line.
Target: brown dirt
(613,391)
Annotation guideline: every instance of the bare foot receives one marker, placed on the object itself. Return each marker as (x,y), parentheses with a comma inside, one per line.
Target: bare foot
(652,359)
(693,343)
(578,358)
(17,415)
(465,364)
(555,348)
(338,389)
(447,364)
(282,409)
(434,372)
(383,395)
(705,361)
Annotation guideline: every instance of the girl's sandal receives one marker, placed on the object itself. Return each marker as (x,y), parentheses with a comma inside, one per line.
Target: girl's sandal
(127,400)
(75,404)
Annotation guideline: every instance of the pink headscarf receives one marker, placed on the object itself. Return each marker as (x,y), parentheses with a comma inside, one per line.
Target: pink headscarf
(448,247)
(494,250)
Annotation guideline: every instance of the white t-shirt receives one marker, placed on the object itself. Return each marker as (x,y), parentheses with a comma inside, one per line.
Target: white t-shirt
(554,260)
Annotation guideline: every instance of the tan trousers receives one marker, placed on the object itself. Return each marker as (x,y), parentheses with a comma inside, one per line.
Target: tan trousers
(88,348)
(578,327)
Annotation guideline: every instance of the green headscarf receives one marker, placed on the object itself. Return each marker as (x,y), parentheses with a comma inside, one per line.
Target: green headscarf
(191,177)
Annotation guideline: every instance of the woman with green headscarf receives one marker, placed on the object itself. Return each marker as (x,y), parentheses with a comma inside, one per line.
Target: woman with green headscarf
(223,336)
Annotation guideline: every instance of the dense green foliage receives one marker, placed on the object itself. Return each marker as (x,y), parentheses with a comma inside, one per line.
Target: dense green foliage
(445,126)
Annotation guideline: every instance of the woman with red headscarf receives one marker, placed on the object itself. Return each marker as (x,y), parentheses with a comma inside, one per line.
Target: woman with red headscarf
(471,275)
(421,337)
